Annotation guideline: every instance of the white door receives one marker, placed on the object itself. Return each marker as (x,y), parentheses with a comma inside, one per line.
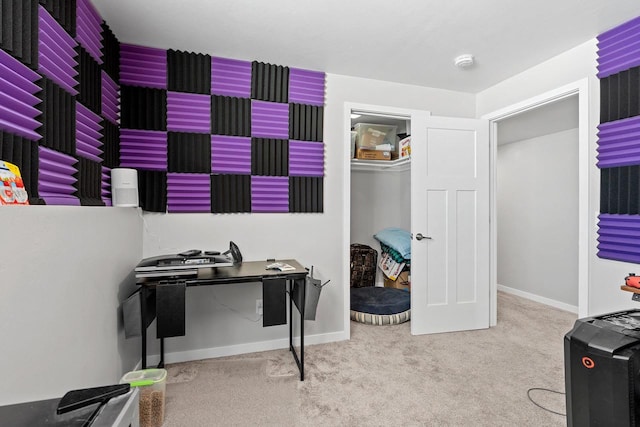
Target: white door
(450,225)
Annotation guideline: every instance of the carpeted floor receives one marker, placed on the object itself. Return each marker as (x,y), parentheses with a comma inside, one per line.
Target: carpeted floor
(385,376)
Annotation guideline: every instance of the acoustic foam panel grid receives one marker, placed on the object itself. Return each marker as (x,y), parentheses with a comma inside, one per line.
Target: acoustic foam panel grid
(64,11)
(18,98)
(188,192)
(19,30)
(230,193)
(111,145)
(230,154)
(23,153)
(189,152)
(188,72)
(305,122)
(89,29)
(89,183)
(619,48)
(105,186)
(90,79)
(620,95)
(110,98)
(58,118)
(619,143)
(143,108)
(143,149)
(110,53)
(306,194)
(306,87)
(143,66)
(269,82)
(306,158)
(88,134)
(57,54)
(619,237)
(230,116)
(56,180)
(269,157)
(152,190)
(230,77)
(269,194)
(188,112)
(269,120)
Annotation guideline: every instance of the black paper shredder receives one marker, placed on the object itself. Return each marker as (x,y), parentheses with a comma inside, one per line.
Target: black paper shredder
(602,370)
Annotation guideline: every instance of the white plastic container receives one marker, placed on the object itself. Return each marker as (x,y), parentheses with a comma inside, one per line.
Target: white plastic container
(152,386)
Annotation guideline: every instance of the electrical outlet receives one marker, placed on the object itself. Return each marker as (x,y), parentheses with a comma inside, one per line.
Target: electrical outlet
(258,306)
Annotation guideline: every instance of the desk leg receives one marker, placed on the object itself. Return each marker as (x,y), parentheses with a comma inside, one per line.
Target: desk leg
(143,324)
(303,283)
(299,361)
(161,364)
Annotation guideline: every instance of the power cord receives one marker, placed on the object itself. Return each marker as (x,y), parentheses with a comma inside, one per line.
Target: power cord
(540,406)
(236,311)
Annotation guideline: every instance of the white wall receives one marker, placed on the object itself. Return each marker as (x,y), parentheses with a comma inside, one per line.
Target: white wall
(537,208)
(63,273)
(605,277)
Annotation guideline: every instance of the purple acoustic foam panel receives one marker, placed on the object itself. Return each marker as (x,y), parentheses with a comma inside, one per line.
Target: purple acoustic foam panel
(188,192)
(619,237)
(106,186)
(306,158)
(89,29)
(619,48)
(57,55)
(231,154)
(269,120)
(188,112)
(619,143)
(306,87)
(230,77)
(17,98)
(110,99)
(56,182)
(143,149)
(88,133)
(269,194)
(143,66)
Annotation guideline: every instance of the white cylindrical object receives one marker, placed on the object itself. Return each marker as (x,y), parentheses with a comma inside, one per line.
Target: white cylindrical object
(124,187)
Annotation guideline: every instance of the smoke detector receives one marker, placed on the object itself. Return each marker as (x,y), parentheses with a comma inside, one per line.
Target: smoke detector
(464,61)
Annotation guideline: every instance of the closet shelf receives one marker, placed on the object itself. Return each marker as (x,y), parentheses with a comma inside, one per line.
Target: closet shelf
(397,165)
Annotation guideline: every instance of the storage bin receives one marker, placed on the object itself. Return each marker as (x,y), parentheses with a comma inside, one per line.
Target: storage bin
(371,135)
(152,386)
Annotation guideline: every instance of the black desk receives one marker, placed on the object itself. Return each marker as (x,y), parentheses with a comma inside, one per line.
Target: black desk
(164,299)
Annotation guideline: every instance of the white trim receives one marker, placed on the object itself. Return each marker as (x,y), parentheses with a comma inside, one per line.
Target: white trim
(232,350)
(581,88)
(537,298)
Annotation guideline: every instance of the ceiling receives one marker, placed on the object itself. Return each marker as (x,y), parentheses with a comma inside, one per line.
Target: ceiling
(409,41)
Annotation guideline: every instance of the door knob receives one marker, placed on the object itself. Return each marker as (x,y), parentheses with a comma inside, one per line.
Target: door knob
(419,236)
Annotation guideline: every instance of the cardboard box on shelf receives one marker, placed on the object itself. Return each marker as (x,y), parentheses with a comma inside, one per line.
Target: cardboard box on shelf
(372,154)
(402,149)
(402,282)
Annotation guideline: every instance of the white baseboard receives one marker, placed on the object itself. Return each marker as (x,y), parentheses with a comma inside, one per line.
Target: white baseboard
(537,298)
(232,350)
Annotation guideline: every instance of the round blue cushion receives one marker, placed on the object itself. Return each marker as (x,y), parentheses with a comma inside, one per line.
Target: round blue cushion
(377,300)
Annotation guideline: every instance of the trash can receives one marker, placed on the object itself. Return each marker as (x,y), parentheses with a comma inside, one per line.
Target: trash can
(152,386)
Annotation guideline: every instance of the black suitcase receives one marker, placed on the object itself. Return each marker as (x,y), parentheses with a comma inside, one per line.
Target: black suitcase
(364,261)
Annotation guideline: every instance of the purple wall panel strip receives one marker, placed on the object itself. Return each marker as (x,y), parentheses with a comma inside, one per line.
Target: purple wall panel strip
(110,99)
(619,48)
(143,149)
(143,66)
(89,29)
(269,119)
(106,186)
(269,194)
(187,112)
(56,52)
(306,158)
(231,154)
(230,77)
(88,133)
(188,192)
(616,237)
(55,179)
(20,71)
(306,87)
(17,100)
(619,143)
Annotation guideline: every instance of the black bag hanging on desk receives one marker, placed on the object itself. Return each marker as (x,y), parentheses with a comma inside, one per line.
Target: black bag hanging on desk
(364,261)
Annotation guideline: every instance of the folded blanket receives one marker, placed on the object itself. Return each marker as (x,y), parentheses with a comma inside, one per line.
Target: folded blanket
(397,239)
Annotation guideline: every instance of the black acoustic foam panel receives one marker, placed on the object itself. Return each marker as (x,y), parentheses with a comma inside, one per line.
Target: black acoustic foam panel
(269,82)
(269,157)
(306,194)
(620,190)
(305,122)
(230,193)
(110,53)
(188,72)
(620,95)
(19,32)
(90,78)
(58,118)
(111,144)
(189,152)
(89,182)
(231,116)
(143,108)
(152,190)
(64,11)
(24,154)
